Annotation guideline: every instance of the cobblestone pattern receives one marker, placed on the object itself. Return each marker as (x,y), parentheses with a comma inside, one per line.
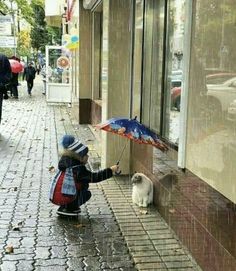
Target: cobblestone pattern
(152,244)
(110,233)
(30,132)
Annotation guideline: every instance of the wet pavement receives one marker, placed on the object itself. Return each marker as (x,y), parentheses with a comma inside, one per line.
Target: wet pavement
(109,234)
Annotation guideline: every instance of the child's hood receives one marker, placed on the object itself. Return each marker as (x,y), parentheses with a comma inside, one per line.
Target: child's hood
(66,162)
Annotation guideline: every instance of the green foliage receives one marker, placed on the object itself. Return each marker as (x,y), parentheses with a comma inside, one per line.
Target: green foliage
(23,7)
(41,34)
(3,7)
(7,51)
(54,35)
(215,29)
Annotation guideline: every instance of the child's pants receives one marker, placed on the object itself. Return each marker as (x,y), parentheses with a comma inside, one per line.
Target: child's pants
(82,197)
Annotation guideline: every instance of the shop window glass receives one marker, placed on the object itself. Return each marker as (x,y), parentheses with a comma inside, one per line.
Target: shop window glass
(137,59)
(152,64)
(211,145)
(174,69)
(162,115)
(97,75)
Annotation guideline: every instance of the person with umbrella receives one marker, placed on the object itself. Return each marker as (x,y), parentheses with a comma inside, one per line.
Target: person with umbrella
(5,77)
(29,75)
(74,158)
(16,67)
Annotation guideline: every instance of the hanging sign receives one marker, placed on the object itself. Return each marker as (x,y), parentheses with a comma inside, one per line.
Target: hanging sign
(63,62)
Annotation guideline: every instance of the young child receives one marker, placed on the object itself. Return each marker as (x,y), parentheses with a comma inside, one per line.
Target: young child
(75,155)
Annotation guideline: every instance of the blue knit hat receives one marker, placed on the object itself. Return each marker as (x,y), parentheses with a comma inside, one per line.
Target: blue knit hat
(70,143)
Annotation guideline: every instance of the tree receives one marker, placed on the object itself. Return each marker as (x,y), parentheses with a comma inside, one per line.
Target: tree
(23,7)
(215,30)
(24,43)
(39,33)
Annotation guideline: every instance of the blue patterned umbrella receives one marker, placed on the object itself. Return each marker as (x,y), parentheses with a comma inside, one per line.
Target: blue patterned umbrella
(134,130)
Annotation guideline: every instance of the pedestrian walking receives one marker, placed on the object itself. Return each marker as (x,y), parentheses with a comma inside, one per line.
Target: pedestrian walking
(43,74)
(38,68)
(5,78)
(70,185)
(14,85)
(29,75)
(16,69)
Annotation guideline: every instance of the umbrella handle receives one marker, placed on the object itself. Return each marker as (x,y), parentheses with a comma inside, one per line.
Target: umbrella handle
(118,172)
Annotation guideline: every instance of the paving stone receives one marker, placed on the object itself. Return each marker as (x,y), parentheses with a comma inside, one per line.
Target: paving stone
(148,259)
(8,266)
(24,265)
(167,246)
(151,266)
(52,268)
(58,252)
(145,253)
(42,253)
(50,262)
(178,264)
(116,262)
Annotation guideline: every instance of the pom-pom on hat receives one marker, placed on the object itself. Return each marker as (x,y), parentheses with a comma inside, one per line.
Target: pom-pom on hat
(70,143)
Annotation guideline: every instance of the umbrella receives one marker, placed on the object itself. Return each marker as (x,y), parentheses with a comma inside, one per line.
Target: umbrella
(134,130)
(16,66)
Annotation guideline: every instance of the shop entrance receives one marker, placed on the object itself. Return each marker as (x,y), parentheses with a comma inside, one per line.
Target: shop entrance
(58,75)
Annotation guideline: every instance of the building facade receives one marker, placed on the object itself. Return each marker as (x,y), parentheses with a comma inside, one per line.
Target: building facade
(171,63)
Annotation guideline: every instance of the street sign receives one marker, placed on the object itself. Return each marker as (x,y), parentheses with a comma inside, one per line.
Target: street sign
(5,25)
(8,42)
(5,19)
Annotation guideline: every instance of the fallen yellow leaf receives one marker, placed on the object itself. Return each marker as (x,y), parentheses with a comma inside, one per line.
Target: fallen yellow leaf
(9,249)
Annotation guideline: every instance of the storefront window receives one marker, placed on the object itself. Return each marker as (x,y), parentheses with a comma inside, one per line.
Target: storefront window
(211,145)
(137,59)
(174,69)
(97,75)
(152,64)
(163,58)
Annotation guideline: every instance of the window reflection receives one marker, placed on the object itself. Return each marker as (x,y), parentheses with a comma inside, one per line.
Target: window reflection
(153,64)
(212,95)
(137,64)
(174,69)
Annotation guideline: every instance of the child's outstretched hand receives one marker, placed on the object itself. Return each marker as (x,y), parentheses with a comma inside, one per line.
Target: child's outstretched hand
(115,168)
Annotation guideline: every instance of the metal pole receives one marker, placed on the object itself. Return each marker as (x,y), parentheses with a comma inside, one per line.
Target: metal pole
(14,27)
(122,152)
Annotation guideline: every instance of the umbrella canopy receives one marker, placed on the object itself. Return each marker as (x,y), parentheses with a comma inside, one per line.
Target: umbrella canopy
(16,66)
(134,130)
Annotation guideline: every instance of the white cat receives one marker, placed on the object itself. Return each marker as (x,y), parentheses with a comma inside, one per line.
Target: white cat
(142,193)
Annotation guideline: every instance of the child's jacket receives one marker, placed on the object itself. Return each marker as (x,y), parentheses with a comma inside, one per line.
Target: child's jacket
(81,174)
(82,178)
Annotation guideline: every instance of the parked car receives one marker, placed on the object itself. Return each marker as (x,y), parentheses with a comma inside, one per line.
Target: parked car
(176,82)
(175,97)
(222,94)
(219,78)
(221,91)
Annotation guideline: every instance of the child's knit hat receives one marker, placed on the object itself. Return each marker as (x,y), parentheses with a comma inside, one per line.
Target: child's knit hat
(70,143)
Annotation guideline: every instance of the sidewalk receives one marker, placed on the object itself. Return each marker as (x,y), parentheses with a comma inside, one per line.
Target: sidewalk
(110,233)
